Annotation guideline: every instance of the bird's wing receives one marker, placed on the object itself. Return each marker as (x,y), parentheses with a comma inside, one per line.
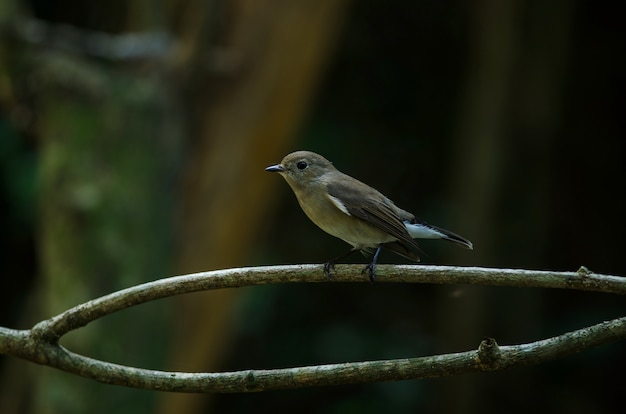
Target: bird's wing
(365,203)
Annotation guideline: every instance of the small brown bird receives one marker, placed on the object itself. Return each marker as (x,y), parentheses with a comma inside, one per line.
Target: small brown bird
(355,212)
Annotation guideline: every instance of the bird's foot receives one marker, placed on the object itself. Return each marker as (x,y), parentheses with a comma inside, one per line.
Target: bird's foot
(371,271)
(329,268)
(371,268)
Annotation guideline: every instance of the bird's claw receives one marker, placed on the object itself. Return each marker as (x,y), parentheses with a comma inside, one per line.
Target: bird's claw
(329,267)
(371,271)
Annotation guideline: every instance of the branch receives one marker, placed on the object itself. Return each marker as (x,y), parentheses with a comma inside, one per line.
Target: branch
(40,344)
(120,47)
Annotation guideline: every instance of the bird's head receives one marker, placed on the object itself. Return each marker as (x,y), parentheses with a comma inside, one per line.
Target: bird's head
(302,169)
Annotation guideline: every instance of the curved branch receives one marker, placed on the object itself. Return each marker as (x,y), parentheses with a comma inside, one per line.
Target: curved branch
(40,344)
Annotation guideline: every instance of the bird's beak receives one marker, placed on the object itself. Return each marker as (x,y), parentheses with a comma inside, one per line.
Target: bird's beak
(275,168)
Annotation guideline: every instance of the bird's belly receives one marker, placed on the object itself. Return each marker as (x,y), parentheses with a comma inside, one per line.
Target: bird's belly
(359,233)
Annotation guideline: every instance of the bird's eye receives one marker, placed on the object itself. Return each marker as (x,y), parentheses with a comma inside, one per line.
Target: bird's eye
(301,165)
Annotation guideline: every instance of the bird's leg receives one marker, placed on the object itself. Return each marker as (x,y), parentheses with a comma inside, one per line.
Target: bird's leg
(329,266)
(371,268)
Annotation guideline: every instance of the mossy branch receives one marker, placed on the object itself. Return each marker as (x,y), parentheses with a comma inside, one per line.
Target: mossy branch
(40,344)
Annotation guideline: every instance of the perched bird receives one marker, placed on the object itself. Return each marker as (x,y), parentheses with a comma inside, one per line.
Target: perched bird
(355,212)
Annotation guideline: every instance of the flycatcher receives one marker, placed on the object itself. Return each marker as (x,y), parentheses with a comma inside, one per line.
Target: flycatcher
(356,213)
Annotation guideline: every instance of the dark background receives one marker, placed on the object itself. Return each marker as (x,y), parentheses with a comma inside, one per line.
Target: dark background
(498,120)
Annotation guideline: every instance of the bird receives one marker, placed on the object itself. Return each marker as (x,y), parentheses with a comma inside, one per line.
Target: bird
(354,212)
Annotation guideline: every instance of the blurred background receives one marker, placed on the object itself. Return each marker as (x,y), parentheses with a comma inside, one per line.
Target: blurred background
(133,138)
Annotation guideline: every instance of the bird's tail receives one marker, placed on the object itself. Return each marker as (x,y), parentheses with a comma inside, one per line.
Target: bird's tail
(421,230)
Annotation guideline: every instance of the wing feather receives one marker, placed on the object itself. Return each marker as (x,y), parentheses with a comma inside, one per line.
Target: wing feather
(367,204)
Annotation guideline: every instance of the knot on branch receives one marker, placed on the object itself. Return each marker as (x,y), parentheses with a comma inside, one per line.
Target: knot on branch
(40,333)
(489,355)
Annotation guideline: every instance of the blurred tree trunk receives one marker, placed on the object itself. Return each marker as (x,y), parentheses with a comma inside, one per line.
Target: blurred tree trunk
(510,71)
(108,142)
(105,217)
(479,151)
(264,66)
